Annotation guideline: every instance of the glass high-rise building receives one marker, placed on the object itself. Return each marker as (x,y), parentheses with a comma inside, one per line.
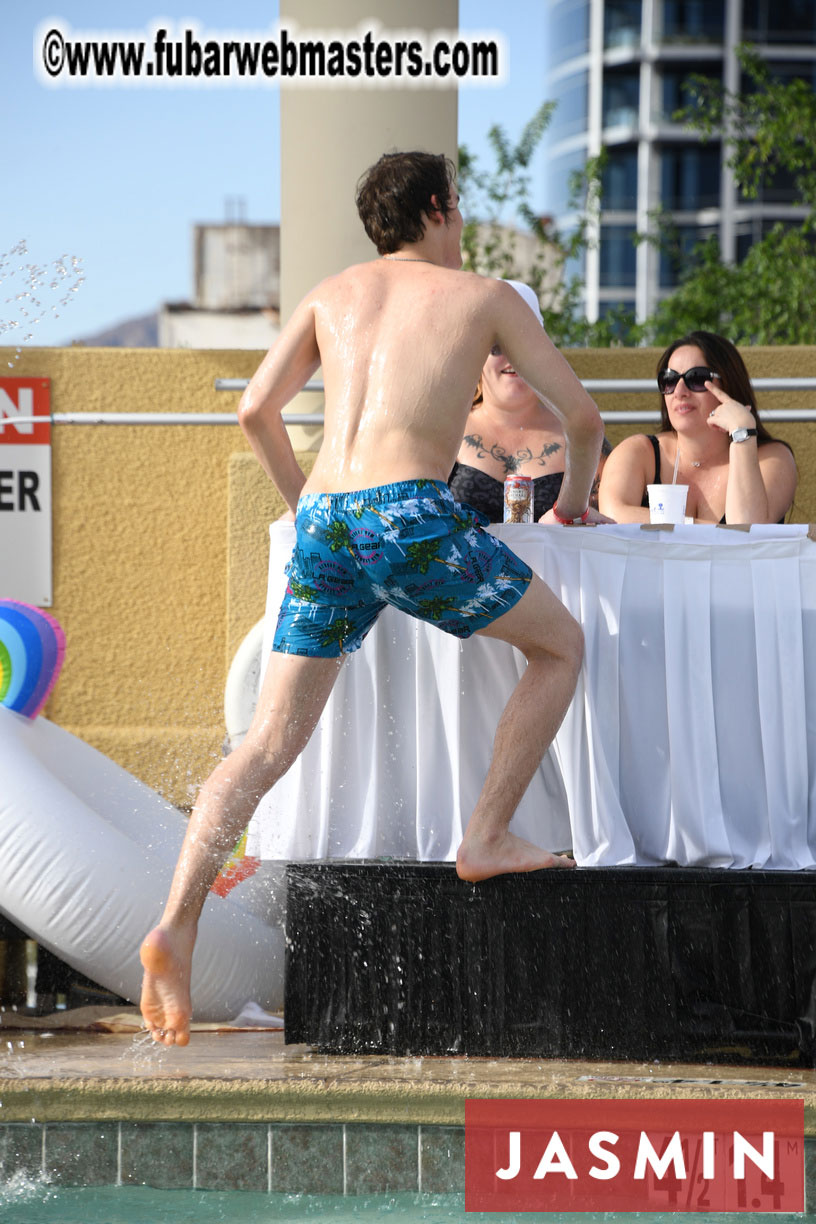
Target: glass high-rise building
(618,70)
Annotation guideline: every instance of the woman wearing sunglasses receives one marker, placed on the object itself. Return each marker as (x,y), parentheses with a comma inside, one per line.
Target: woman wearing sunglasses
(711,439)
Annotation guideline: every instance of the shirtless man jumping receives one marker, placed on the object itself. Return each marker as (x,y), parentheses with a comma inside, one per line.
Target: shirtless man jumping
(401,341)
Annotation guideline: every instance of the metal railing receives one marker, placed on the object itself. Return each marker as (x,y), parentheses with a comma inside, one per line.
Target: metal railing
(595,386)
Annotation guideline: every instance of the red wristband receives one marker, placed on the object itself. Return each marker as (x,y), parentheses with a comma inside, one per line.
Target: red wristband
(573,522)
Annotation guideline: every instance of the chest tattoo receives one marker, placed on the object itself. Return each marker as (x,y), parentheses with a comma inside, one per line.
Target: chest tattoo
(512,461)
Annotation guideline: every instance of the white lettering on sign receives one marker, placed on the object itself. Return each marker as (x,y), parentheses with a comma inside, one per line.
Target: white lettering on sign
(23,408)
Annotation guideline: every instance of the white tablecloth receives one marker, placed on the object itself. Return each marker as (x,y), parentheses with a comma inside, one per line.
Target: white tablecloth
(690,738)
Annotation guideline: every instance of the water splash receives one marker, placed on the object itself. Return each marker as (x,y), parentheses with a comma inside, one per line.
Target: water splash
(29,288)
(143,1053)
(22,1188)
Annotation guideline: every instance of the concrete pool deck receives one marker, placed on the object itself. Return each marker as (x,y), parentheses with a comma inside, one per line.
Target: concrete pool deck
(232,1076)
(238,1110)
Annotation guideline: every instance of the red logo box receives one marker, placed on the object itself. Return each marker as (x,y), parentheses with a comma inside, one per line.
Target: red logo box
(602,1155)
(21,399)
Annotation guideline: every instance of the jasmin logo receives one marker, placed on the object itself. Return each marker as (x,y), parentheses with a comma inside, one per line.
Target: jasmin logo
(599,1155)
(556,1158)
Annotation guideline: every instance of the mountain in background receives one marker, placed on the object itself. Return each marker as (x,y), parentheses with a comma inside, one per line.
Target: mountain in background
(141,332)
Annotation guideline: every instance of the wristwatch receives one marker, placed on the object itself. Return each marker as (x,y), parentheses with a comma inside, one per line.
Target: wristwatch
(743,434)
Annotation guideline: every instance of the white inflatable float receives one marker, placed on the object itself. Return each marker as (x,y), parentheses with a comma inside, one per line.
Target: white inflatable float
(243,684)
(86,856)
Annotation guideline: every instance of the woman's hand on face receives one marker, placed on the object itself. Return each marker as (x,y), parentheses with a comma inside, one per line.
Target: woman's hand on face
(729,414)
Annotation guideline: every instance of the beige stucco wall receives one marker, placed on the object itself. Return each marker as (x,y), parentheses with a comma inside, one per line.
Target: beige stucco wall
(161,536)
(153,588)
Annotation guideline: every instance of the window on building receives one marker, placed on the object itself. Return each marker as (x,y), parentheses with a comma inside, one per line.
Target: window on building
(785,71)
(568,30)
(749,232)
(778,188)
(570,115)
(619,182)
(690,177)
(575,266)
(622,23)
(779,21)
(619,309)
(693,20)
(559,174)
(621,94)
(675,257)
(675,85)
(618,256)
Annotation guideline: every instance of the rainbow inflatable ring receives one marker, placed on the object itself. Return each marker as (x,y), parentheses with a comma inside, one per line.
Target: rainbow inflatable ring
(32,648)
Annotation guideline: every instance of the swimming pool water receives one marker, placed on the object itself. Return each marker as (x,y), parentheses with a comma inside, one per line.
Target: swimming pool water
(27,1201)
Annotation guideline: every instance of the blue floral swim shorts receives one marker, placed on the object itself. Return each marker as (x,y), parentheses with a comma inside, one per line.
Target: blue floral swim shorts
(408,544)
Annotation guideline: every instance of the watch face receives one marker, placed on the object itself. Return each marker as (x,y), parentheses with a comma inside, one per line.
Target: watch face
(741,435)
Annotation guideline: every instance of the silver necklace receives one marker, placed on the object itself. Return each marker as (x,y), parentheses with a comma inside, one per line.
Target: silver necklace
(405,259)
(695,463)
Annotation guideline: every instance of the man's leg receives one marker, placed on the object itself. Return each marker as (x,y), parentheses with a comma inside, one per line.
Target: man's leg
(552,642)
(294,692)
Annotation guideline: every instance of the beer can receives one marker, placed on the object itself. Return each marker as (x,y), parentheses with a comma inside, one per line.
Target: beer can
(518,499)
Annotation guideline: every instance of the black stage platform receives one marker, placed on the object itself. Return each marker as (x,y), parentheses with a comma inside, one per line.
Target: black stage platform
(601,963)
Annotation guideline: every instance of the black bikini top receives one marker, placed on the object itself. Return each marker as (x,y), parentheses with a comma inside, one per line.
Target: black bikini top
(486,493)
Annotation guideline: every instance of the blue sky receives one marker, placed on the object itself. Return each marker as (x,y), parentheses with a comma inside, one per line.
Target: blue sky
(117,177)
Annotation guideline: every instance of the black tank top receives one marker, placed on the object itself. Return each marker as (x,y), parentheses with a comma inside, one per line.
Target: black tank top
(656,446)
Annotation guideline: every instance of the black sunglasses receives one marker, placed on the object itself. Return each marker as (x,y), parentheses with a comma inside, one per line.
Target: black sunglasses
(695,379)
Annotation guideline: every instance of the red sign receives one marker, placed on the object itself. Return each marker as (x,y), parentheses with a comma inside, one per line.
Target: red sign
(599,1155)
(21,399)
(25,490)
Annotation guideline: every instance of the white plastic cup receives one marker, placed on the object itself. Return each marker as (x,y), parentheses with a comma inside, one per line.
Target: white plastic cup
(667,502)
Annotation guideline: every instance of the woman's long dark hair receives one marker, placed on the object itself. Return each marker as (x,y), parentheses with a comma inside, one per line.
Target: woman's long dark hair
(720,355)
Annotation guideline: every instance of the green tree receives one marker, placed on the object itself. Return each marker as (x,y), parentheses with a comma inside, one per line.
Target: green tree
(768,298)
(494,199)
(489,243)
(771,127)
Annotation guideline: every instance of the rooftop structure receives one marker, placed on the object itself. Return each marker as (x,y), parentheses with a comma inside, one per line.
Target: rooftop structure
(237,290)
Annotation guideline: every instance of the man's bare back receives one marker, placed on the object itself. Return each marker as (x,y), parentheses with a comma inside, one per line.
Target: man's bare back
(401,342)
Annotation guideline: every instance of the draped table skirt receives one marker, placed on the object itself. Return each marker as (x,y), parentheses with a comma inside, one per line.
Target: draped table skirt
(690,739)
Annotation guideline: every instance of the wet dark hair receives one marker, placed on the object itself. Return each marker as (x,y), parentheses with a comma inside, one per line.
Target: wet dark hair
(723,356)
(394,196)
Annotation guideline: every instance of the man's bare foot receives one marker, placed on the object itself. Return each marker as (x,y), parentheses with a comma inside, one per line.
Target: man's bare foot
(165,1003)
(481,859)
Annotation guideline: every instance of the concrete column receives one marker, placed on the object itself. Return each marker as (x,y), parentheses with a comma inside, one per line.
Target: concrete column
(592,273)
(329,137)
(648,192)
(728,187)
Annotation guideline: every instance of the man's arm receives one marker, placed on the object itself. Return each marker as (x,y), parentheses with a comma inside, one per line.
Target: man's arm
(535,357)
(288,365)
